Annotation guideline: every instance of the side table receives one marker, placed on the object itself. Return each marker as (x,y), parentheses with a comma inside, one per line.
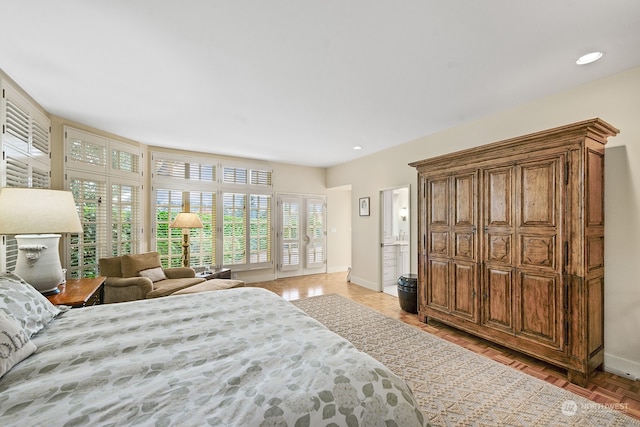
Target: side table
(80,292)
(218,273)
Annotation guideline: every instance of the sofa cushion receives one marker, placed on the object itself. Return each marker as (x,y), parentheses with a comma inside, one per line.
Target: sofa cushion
(169,286)
(155,274)
(132,264)
(111,267)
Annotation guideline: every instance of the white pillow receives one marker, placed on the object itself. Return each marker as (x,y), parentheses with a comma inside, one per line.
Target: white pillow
(22,302)
(15,345)
(155,274)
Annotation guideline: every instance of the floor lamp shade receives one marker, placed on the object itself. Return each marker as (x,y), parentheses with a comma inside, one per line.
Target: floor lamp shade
(34,215)
(186,221)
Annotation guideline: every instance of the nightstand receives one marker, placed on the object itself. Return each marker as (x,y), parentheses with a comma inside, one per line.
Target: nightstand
(80,292)
(218,273)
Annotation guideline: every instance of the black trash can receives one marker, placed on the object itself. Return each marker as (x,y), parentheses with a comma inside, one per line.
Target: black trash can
(408,292)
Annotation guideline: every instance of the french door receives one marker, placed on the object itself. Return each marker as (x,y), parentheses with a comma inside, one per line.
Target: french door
(302,242)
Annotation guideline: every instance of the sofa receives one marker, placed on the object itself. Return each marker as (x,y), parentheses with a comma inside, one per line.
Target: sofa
(140,276)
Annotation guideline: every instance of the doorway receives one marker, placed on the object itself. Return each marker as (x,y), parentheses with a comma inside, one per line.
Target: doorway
(395,236)
(302,243)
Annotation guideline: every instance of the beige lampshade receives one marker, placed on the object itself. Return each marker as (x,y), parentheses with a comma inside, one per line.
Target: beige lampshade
(186,220)
(38,211)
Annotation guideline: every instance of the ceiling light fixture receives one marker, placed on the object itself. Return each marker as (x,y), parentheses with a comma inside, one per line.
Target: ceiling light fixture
(589,58)
(357,147)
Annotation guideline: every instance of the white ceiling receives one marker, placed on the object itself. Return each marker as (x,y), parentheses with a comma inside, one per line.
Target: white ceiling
(302,81)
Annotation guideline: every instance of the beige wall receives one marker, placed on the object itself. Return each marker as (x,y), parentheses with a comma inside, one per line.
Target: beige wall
(338,229)
(616,100)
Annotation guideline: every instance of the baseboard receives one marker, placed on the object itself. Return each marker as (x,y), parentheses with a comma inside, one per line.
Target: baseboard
(622,367)
(339,269)
(365,283)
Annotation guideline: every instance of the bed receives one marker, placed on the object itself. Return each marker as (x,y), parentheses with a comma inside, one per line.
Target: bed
(242,357)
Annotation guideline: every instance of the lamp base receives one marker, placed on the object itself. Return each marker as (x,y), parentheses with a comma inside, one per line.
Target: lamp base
(53,292)
(38,261)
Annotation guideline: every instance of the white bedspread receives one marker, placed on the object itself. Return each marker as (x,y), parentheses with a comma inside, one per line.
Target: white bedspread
(242,357)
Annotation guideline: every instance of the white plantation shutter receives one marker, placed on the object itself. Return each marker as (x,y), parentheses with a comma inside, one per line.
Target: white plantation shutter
(85,151)
(126,229)
(290,229)
(234,210)
(17,126)
(17,168)
(259,229)
(25,154)
(316,250)
(167,168)
(168,241)
(203,240)
(260,177)
(202,172)
(234,175)
(90,195)
(39,178)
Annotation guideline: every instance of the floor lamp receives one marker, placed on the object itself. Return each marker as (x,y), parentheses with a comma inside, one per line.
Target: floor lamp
(186,221)
(32,214)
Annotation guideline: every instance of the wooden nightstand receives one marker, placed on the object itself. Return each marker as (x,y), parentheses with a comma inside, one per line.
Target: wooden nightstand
(80,292)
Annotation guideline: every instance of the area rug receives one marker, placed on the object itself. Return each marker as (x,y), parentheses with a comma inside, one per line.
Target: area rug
(454,386)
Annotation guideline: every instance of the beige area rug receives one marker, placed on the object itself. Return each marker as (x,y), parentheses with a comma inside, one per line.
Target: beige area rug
(454,386)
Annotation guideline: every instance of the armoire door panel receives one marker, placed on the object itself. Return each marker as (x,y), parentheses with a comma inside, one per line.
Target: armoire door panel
(595,298)
(595,253)
(439,243)
(538,251)
(465,245)
(438,295)
(465,200)
(439,201)
(498,197)
(595,189)
(464,290)
(539,193)
(497,297)
(539,314)
(498,248)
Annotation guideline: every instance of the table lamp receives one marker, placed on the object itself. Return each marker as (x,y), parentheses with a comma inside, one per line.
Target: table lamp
(32,214)
(186,221)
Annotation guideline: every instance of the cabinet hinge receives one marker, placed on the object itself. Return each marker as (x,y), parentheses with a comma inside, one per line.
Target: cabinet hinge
(566,332)
(566,173)
(566,254)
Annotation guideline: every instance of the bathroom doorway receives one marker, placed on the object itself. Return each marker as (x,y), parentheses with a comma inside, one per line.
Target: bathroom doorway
(395,237)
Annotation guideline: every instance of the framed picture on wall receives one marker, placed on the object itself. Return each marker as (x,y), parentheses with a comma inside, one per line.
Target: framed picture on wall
(364,206)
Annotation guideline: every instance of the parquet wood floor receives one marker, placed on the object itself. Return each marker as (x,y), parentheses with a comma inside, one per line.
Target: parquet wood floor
(604,388)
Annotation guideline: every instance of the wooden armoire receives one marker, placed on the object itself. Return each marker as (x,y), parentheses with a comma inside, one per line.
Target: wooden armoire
(511,243)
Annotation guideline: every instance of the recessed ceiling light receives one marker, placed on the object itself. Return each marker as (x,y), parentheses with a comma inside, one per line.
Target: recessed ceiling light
(357,147)
(589,58)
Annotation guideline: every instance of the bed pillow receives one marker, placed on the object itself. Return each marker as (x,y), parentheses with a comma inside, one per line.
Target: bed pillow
(15,345)
(22,302)
(155,274)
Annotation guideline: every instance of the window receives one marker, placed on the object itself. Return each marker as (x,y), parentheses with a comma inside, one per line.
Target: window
(25,155)
(106,180)
(239,236)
